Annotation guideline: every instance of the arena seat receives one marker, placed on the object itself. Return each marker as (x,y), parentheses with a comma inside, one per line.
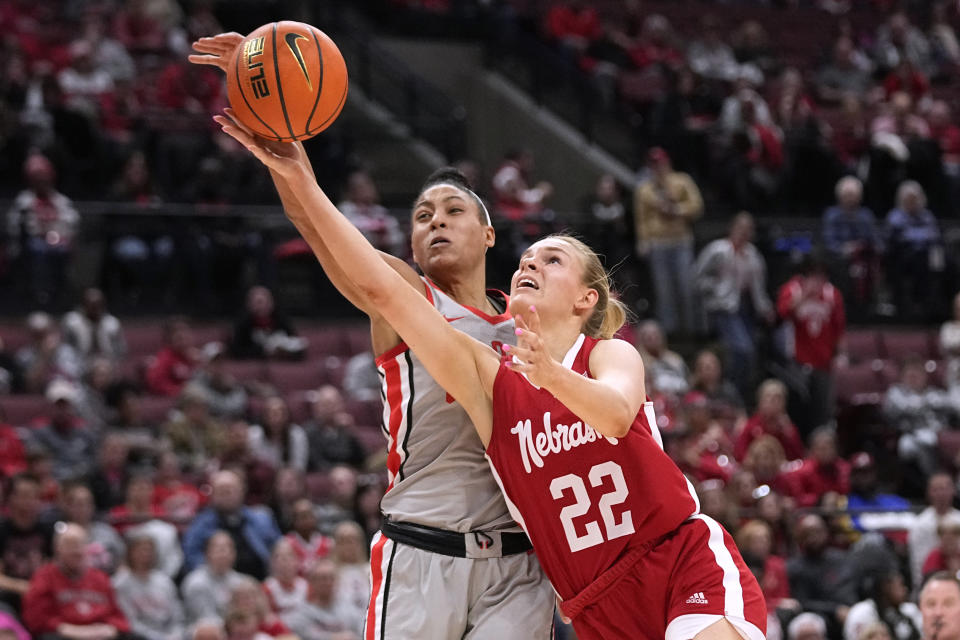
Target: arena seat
(21,410)
(371,438)
(366,413)
(861,384)
(142,340)
(326,341)
(899,345)
(14,336)
(863,345)
(291,376)
(203,334)
(246,371)
(156,409)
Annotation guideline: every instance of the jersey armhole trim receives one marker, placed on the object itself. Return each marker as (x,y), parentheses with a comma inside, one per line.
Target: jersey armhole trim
(391,353)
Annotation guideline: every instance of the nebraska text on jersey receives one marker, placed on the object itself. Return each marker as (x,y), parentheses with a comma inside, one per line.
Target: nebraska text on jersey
(553,439)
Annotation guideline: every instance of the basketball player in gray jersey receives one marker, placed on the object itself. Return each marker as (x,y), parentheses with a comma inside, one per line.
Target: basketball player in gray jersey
(450,562)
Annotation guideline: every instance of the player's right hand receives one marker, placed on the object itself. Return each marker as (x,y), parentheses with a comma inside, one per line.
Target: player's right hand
(286,158)
(217,50)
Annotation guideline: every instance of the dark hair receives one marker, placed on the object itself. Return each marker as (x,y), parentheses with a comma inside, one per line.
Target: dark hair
(813,263)
(18,479)
(455,177)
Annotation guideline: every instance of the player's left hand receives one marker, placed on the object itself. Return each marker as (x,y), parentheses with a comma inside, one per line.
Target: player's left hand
(216,50)
(534,359)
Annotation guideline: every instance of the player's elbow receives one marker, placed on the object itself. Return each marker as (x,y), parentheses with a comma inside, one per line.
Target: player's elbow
(618,423)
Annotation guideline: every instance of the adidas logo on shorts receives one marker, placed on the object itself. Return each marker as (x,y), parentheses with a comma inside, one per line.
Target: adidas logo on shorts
(697,598)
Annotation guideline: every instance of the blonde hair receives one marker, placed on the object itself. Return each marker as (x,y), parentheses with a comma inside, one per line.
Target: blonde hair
(610,313)
(751,528)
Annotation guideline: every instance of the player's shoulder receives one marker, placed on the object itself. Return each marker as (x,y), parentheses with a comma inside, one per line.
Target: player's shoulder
(613,352)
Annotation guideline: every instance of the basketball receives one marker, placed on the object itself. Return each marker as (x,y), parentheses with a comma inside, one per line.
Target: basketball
(287,81)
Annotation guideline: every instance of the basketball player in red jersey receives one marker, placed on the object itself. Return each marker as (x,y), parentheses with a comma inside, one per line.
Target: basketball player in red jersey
(448,538)
(569,436)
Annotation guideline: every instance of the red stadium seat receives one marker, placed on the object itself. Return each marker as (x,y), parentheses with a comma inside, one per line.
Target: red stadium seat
(143,340)
(326,341)
(202,334)
(292,376)
(21,410)
(14,336)
(246,371)
(156,409)
(371,438)
(366,414)
(863,345)
(860,384)
(899,345)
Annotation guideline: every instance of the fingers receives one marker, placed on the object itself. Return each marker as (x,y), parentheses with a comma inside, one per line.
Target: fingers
(519,352)
(233,116)
(232,129)
(213,61)
(533,320)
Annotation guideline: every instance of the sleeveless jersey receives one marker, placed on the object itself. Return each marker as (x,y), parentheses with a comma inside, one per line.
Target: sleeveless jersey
(437,470)
(584,499)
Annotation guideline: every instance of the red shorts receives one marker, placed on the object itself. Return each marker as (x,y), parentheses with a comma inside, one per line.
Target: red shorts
(679,588)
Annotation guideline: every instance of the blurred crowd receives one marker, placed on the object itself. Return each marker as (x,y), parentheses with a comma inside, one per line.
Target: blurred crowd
(160,484)
(239,505)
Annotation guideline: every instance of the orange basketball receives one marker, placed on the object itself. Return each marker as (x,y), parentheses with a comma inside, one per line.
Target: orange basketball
(287,81)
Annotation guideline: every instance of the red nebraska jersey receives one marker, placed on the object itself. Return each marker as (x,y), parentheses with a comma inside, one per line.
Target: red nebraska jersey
(583,499)
(818,322)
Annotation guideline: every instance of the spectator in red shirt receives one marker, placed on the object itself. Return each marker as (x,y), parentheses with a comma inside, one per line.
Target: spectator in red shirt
(814,313)
(766,461)
(824,475)
(573,24)
(771,418)
(705,451)
(175,362)
(905,77)
(139,506)
(68,600)
(13,458)
(947,136)
(171,495)
(946,556)
(306,541)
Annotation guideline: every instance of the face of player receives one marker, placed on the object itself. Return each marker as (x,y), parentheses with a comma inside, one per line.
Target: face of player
(940,607)
(447,231)
(550,276)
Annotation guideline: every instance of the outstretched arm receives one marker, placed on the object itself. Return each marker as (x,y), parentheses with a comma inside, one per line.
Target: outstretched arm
(216,51)
(462,365)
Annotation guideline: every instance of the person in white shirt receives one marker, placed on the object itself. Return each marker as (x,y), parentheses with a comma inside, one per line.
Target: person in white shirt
(887,603)
(91,330)
(922,537)
(207,589)
(146,595)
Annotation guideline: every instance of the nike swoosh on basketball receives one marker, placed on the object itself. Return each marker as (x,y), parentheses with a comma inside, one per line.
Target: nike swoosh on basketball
(294,46)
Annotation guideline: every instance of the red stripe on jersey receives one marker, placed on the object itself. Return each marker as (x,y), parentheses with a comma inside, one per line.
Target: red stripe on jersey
(390,354)
(391,371)
(376,576)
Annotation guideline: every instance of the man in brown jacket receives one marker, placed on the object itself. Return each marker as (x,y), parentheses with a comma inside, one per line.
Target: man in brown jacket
(665,207)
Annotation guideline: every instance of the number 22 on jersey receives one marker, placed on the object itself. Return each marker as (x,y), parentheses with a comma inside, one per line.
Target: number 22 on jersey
(614,528)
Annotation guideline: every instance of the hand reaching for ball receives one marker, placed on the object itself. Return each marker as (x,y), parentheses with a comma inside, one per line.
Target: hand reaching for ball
(216,50)
(289,159)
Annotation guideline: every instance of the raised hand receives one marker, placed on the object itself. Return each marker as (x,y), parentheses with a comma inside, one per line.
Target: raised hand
(532,357)
(286,158)
(216,50)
